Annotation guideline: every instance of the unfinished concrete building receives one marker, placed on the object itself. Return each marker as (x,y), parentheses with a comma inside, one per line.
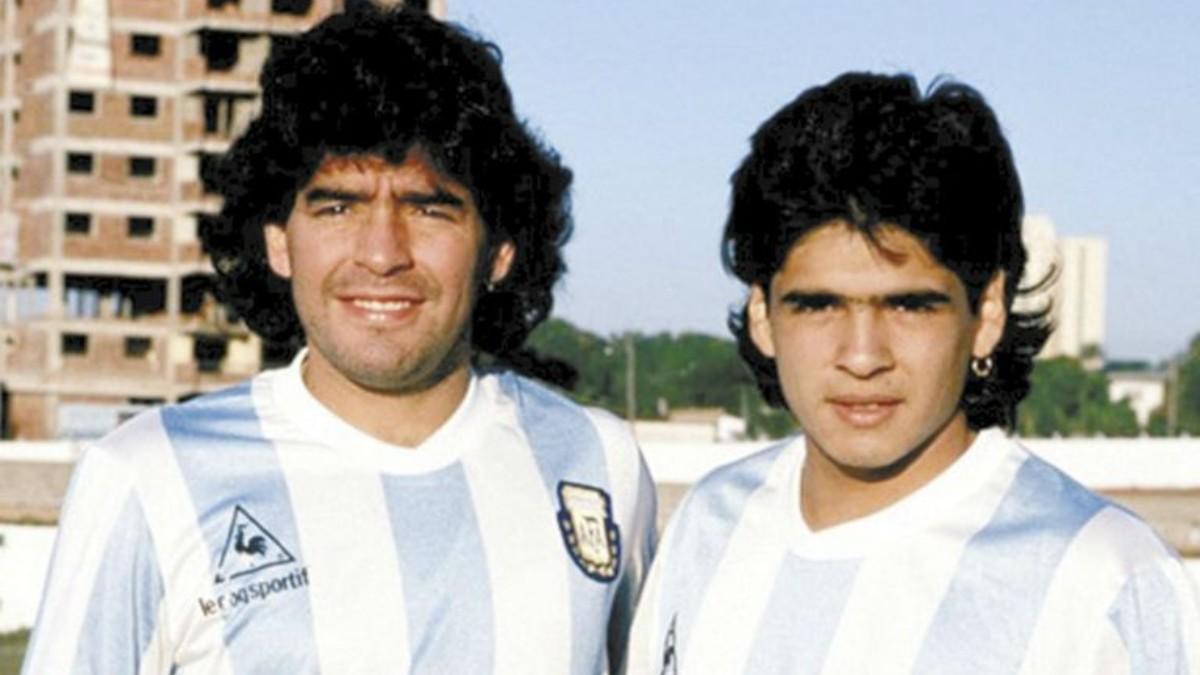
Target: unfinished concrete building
(111,113)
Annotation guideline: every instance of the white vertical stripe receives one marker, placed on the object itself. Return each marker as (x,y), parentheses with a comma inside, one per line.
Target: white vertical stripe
(1093,571)
(731,612)
(1088,579)
(157,658)
(649,631)
(182,553)
(349,550)
(518,526)
(644,640)
(926,560)
(1110,650)
(1189,611)
(98,495)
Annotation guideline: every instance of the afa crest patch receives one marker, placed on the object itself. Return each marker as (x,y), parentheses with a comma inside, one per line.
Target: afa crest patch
(588,530)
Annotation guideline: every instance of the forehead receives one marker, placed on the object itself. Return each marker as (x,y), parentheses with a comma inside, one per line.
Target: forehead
(416,170)
(837,257)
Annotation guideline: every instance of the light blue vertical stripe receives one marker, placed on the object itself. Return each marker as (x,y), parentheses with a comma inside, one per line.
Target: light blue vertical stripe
(122,610)
(1146,615)
(800,619)
(985,620)
(711,513)
(446,589)
(226,462)
(567,448)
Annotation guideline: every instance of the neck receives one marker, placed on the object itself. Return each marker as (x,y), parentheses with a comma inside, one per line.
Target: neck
(403,418)
(832,494)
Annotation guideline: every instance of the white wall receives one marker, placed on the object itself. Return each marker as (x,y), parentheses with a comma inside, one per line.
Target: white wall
(1098,463)
(24,557)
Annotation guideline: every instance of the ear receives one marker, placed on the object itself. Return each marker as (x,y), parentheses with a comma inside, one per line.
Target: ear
(759,323)
(992,317)
(502,261)
(277,250)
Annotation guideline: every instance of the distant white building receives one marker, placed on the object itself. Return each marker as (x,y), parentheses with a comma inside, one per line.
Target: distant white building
(1078,291)
(692,425)
(1146,391)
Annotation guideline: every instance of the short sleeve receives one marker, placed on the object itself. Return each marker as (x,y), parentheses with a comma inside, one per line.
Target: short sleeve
(101,603)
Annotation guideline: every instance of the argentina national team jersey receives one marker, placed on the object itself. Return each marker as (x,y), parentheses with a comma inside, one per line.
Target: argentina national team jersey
(1002,564)
(252,531)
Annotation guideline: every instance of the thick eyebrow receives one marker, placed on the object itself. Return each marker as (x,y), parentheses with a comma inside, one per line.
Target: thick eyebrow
(328,194)
(924,297)
(804,297)
(436,196)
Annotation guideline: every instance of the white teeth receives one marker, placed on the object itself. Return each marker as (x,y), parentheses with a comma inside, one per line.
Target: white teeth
(383,306)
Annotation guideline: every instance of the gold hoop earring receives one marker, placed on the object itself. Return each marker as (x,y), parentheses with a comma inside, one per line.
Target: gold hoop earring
(982,367)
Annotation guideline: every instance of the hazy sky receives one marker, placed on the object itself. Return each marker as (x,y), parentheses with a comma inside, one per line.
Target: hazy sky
(651,104)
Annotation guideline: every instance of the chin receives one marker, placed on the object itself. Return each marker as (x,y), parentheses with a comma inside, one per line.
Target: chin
(869,458)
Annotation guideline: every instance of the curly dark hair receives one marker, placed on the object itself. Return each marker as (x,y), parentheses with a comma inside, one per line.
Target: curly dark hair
(384,82)
(871,151)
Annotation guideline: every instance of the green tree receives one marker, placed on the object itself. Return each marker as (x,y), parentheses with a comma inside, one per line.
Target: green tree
(681,371)
(1187,400)
(1068,400)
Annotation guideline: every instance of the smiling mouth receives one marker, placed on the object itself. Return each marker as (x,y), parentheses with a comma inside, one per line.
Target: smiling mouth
(383,310)
(382,305)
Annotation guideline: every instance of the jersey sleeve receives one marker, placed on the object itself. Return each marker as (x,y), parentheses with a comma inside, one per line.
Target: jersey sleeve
(640,541)
(1156,619)
(651,648)
(103,597)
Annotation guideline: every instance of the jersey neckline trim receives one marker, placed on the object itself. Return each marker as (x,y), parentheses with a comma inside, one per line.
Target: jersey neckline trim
(285,396)
(975,470)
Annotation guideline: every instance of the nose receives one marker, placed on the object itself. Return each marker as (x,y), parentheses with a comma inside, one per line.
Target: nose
(384,243)
(864,348)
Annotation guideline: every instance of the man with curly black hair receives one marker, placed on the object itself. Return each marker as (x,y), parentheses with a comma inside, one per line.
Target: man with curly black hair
(380,505)
(879,232)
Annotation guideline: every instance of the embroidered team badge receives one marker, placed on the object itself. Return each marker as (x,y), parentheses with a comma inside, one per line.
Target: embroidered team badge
(588,530)
(249,547)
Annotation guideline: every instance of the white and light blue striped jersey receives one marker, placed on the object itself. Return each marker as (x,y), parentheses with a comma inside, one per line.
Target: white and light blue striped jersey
(1001,564)
(253,531)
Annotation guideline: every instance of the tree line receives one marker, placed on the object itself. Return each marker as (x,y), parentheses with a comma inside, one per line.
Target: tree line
(687,370)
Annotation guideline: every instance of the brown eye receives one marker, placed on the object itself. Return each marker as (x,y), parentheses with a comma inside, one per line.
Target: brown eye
(433,211)
(333,209)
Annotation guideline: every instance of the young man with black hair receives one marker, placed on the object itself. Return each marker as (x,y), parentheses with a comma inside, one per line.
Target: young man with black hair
(879,233)
(379,506)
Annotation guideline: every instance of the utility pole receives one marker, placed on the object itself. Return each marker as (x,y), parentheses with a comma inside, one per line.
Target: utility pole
(630,379)
(1173,396)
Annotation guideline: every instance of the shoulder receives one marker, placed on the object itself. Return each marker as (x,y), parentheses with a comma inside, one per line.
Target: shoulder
(748,473)
(723,492)
(569,441)
(544,411)
(156,430)
(1108,543)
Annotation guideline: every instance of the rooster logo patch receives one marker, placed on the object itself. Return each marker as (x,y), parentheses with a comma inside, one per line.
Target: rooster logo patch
(249,547)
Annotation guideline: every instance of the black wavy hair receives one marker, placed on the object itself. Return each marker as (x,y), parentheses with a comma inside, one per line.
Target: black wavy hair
(872,151)
(384,82)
